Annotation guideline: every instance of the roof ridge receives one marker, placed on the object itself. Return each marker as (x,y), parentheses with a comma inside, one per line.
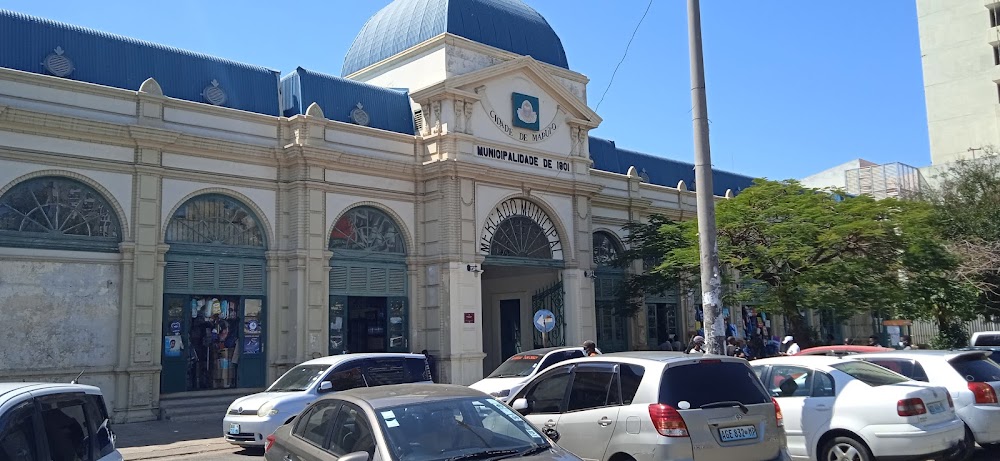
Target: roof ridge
(132,40)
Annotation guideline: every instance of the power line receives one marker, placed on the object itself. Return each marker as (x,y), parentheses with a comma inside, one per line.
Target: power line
(624,55)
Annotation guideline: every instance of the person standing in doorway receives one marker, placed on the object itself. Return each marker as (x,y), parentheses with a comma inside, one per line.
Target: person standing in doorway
(590,348)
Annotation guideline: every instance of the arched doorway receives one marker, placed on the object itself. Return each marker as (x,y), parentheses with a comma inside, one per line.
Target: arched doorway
(368,283)
(612,329)
(523,258)
(214,316)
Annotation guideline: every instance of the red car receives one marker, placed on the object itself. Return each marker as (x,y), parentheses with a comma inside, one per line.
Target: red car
(841,351)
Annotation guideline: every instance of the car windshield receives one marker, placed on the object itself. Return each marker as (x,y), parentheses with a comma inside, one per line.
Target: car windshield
(870,374)
(457,429)
(518,365)
(298,378)
(976,368)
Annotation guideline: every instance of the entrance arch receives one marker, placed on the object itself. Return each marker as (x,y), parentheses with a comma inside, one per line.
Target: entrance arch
(368,283)
(523,250)
(214,296)
(612,329)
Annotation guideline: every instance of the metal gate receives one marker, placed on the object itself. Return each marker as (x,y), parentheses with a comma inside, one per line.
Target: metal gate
(551,298)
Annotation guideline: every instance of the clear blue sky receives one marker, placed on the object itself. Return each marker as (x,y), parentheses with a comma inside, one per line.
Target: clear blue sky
(794,87)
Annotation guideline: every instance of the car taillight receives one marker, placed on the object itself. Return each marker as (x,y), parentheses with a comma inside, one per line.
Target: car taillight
(951,403)
(984,392)
(667,421)
(910,407)
(777,412)
(269,444)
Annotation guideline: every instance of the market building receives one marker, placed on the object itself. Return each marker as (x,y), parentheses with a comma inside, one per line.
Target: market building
(175,222)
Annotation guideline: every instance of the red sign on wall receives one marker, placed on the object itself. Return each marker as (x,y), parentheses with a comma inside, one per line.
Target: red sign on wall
(470,317)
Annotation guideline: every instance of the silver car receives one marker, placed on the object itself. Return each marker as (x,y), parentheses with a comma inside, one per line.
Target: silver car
(410,422)
(972,379)
(656,406)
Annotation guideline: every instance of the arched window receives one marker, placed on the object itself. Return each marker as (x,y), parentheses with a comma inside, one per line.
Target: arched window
(215,220)
(519,236)
(58,213)
(606,249)
(367,229)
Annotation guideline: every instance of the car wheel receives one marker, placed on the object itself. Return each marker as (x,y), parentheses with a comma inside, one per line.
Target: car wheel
(968,448)
(845,449)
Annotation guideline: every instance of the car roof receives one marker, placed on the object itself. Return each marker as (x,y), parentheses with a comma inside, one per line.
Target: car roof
(10,390)
(336,359)
(546,350)
(844,348)
(914,353)
(802,360)
(645,357)
(401,394)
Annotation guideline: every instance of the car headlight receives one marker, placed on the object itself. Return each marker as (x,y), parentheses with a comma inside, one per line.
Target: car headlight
(503,393)
(267,410)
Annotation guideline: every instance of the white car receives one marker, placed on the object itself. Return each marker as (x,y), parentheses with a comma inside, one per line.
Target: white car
(54,421)
(249,420)
(517,370)
(985,338)
(842,409)
(970,376)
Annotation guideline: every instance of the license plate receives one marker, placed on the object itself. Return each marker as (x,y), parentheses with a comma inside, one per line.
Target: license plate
(730,434)
(234,429)
(935,407)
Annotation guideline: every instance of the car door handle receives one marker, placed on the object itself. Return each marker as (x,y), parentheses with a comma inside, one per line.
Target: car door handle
(605,422)
(550,423)
(822,407)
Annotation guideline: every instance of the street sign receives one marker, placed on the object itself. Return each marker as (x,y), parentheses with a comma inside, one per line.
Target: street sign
(545,320)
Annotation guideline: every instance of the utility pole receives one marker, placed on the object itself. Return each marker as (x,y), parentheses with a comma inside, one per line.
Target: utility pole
(711,281)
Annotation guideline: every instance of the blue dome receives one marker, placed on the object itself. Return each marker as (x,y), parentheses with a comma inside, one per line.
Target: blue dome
(506,24)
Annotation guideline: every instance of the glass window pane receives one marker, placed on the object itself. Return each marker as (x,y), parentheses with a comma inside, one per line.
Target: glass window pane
(631,376)
(823,385)
(99,414)
(590,390)
(791,381)
(66,429)
(547,395)
(352,433)
(316,426)
(17,436)
(707,382)
(870,374)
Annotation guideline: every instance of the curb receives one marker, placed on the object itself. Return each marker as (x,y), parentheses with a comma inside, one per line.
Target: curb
(176,449)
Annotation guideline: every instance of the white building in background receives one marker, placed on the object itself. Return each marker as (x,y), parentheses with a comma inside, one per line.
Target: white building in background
(960,49)
(173,222)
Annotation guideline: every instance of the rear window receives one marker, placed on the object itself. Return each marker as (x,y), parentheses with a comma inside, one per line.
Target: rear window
(987,340)
(870,374)
(976,368)
(703,383)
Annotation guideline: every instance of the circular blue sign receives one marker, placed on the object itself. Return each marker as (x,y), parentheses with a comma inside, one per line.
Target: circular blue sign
(544,321)
(175,327)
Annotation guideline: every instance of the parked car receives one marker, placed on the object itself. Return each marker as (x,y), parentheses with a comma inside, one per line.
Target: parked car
(840,351)
(848,409)
(994,351)
(56,422)
(415,422)
(971,378)
(985,338)
(511,375)
(653,406)
(249,420)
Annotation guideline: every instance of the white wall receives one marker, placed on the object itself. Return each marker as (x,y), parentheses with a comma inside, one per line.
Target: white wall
(419,71)
(961,96)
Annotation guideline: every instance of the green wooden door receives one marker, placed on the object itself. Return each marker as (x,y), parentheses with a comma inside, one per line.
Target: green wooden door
(252,363)
(176,344)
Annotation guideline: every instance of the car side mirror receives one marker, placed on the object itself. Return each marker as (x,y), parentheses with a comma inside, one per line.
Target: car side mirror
(355,456)
(551,433)
(325,386)
(520,405)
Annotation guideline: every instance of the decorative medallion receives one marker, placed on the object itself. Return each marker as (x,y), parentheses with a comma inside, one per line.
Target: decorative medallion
(525,110)
(360,116)
(644,176)
(213,94)
(58,64)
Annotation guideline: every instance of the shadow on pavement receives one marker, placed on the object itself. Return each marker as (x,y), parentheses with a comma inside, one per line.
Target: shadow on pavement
(156,433)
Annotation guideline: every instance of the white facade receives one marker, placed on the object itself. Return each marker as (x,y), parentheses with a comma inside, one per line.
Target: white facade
(960,48)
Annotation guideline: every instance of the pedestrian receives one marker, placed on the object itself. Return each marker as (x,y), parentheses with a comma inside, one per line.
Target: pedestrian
(731,347)
(741,349)
(791,347)
(676,343)
(667,345)
(906,342)
(697,346)
(873,341)
(590,348)
(848,341)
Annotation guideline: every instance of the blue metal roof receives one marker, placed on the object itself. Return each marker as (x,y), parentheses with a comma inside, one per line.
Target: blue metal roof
(662,171)
(506,24)
(122,62)
(387,109)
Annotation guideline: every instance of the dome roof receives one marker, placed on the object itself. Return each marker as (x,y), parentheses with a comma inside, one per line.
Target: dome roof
(506,24)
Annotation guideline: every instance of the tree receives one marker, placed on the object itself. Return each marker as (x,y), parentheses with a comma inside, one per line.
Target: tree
(967,213)
(808,249)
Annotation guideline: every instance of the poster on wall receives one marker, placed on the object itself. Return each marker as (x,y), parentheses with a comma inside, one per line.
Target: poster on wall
(251,345)
(252,327)
(172,345)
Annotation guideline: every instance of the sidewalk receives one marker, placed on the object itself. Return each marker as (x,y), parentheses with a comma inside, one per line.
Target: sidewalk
(161,439)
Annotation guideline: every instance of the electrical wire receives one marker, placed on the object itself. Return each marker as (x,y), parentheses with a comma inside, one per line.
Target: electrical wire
(624,55)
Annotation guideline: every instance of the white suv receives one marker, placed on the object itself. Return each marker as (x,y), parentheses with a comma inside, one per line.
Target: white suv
(54,421)
(249,420)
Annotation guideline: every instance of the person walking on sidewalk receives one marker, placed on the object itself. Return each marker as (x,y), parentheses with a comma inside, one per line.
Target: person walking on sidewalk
(590,348)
